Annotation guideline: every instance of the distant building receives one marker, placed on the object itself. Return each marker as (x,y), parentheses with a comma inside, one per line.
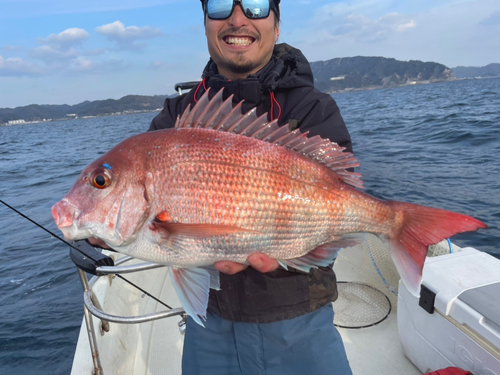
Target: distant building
(16,122)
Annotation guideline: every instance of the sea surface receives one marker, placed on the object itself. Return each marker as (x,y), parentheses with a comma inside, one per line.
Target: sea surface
(436,144)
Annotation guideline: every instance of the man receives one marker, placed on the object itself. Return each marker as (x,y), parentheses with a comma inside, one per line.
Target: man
(264,320)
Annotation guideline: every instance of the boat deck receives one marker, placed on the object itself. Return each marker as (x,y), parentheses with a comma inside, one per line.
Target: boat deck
(377,349)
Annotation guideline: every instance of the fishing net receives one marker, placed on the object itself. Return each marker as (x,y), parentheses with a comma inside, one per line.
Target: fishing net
(360,305)
(370,286)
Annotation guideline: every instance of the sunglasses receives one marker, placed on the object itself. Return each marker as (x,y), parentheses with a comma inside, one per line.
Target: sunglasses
(253,9)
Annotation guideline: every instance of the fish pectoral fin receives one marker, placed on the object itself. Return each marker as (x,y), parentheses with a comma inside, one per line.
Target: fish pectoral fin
(192,287)
(323,255)
(200,230)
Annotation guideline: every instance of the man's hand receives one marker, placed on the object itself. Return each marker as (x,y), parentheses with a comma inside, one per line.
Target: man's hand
(259,261)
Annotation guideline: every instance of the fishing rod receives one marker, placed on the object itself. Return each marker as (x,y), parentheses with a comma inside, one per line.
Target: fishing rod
(81,252)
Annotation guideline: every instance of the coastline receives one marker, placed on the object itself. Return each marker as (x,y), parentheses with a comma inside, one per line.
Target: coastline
(128,112)
(347,90)
(413,83)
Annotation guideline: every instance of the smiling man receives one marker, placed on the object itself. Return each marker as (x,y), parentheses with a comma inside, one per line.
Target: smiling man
(264,319)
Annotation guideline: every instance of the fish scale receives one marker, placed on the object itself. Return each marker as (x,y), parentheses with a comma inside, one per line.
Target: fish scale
(296,210)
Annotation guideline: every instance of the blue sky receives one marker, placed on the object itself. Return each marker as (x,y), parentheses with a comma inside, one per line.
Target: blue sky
(66,51)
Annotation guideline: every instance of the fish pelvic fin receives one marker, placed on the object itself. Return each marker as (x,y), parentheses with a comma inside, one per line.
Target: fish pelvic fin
(219,114)
(323,255)
(192,286)
(419,228)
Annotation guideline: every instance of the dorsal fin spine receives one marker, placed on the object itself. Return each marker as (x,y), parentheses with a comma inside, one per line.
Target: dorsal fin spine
(260,133)
(211,109)
(255,127)
(183,117)
(219,114)
(242,119)
(271,138)
(227,120)
(200,107)
(287,138)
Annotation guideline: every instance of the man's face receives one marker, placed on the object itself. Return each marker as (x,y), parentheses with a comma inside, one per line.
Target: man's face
(241,46)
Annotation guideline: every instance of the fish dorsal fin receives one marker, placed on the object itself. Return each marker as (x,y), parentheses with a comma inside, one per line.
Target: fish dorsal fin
(220,114)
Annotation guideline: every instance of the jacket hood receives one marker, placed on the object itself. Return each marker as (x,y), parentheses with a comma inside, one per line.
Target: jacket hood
(288,68)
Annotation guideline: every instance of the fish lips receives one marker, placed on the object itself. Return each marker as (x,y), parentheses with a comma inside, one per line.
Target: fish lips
(65,216)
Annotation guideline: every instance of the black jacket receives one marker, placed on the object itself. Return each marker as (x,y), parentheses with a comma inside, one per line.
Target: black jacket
(251,296)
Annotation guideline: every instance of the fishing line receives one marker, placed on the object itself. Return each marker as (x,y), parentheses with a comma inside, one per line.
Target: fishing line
(81,252)
(45,229)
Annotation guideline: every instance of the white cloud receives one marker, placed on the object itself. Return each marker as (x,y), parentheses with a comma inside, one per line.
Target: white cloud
(9,48)
(59,48)
(157,64)
(342,22)
(128,37)
(50,54)
(162,65)
(16,66)
(94,52)
(82,65)
(452,32)
(492,20)
(87,66)
(405,26)
(67,38)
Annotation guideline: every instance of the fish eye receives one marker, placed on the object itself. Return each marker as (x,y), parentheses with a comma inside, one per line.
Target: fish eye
(100,180)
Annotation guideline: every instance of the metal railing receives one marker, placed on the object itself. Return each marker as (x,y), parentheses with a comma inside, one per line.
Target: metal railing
(117,269)
(92,307)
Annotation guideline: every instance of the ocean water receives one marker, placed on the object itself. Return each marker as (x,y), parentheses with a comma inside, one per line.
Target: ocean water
(435,144)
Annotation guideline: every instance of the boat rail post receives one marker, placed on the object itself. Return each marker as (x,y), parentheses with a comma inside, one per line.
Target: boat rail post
(90,326)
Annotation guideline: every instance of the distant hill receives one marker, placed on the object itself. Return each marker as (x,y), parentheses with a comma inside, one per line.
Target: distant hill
(490,70)
(339,74)
(361,72)
(127,104)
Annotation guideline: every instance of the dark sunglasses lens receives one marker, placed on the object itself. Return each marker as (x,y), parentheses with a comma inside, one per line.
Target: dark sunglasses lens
(219,9)
(256,8)
(222,9)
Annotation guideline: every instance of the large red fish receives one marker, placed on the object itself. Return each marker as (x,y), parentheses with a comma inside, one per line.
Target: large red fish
(223,185)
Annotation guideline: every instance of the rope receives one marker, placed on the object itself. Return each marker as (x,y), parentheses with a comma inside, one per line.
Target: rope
(376,267)
(273,100)
(196,92)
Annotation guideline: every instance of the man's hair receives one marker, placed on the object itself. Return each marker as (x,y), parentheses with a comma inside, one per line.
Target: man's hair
(276,12)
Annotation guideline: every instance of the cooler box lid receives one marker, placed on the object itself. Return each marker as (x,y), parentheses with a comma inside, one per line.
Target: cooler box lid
(467,288)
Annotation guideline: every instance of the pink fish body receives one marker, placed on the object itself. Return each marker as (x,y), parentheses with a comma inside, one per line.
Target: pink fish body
(223,185)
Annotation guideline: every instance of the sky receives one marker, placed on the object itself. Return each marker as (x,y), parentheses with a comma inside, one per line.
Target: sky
(69,51)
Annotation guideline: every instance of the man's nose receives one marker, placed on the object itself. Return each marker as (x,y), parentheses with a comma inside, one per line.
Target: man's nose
(238,18)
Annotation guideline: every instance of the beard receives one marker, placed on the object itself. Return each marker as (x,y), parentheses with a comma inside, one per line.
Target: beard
(239,65)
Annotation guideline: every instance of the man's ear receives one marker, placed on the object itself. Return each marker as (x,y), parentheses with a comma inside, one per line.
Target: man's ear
(277,33)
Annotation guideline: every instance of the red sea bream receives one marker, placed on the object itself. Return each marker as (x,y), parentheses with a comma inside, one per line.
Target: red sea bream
(222,185)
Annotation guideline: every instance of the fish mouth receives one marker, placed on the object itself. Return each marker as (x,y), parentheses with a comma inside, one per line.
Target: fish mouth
(65,215)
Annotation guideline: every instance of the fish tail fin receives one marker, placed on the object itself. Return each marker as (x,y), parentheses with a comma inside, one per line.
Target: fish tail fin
(418,228)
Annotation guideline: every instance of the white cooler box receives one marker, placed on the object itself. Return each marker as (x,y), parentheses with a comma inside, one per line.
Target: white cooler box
(462,327)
